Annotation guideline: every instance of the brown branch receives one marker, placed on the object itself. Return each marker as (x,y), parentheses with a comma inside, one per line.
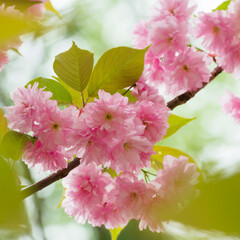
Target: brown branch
(50,179)
(179,100)
(183,98)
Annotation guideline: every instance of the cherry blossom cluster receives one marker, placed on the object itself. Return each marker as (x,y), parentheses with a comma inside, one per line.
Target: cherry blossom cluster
(170,60)
(110,135)
(36,12)
(35,113)
(92,194)
(220,34)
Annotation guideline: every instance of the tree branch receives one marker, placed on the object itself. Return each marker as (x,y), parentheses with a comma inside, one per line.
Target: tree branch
(183,98)
(50,179)
(179,100)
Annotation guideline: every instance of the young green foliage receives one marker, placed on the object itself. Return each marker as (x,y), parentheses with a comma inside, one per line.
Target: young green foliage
(116,69)
(223,6)
(74,67)
(60,93)
(12,145)
(175,123)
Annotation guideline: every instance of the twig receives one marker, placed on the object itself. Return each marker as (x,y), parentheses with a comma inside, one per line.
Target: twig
(134,85)
(179,100)
(183,98)
(50,179)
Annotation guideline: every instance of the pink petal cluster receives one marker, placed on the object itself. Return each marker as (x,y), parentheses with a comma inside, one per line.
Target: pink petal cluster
(174,185)
(220,33)
(91,194)
(113,132)
(35,113)
(168,32)
(110,135)
(231,105)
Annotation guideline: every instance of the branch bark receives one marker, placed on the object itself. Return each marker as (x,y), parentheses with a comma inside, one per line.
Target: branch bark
(183,98)
(179,100)
(50,179)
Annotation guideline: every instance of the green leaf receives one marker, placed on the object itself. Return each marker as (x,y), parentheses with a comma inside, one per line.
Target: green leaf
(48,6)
(76,96)
(116,69)
(223,6)
(3,125)
(60,93)
(162,151)
(175,123)
(12,212)
(74,67)
(217,206)
(115,232)
(12,145)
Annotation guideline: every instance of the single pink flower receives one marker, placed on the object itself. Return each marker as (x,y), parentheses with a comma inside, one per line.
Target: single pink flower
(188,71)
(106,113)
(167,37)
(85,190)
(155,119)
(215,30)
(230,59)
(132,195)
(179,9)
(48,159)
(30,105)
(55,127)
(131,152)
(176,181)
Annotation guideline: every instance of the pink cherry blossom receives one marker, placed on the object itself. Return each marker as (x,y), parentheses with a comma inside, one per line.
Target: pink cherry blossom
(132,195)
(167,37)
(108,112)
(215,30)
(48,159)
(85,190)
(231,105)
(154,117)
(179,9)
(55,127)
(188,71)
(131,152)
(30,104)
(230,60)
(177,179)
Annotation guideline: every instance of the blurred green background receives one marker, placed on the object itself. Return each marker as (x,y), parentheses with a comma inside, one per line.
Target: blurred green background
(212,139)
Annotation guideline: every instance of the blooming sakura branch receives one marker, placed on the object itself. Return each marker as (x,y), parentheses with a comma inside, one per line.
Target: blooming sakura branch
(111,116)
